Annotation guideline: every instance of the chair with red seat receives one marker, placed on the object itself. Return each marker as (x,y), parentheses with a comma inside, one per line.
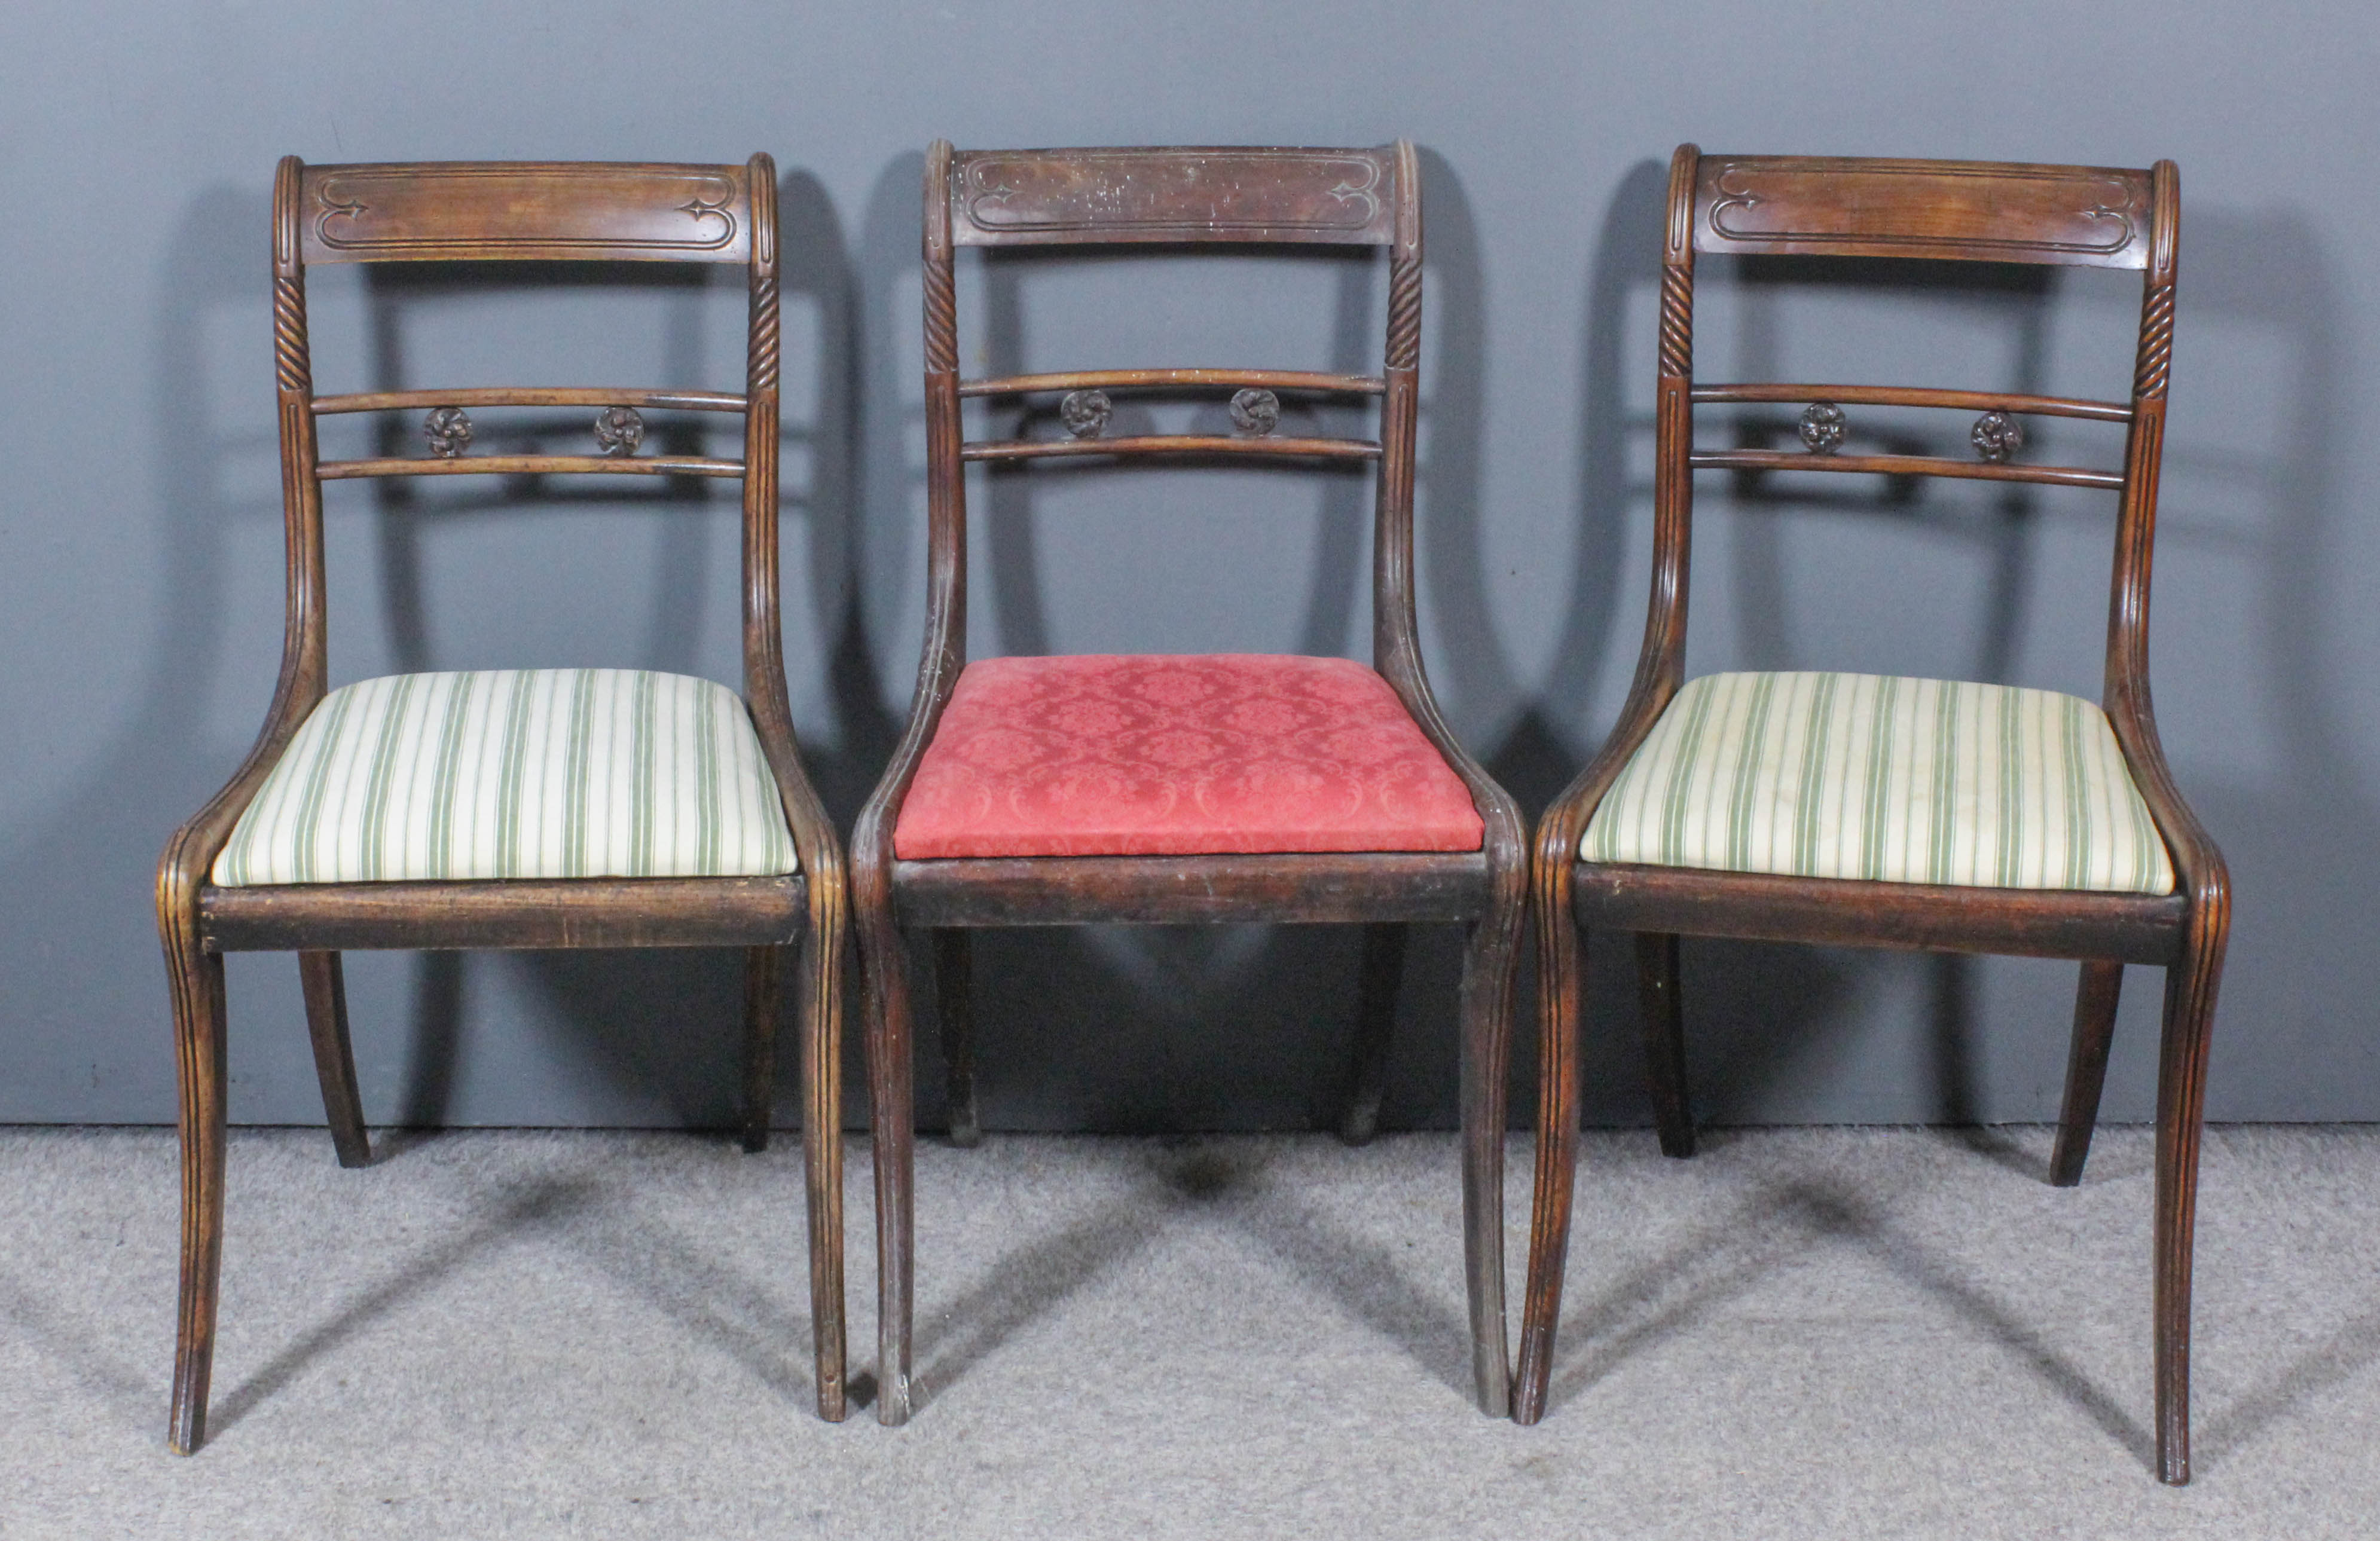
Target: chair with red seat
(1166,789)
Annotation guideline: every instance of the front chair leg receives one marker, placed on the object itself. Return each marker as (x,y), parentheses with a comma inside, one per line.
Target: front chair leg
(760,978)
(1489,958)
(2190,989)
(955,1003)
(1561,965)
(2086,1068)
(1665,1041)
(885,988)
(197,978)
(1376,1021)
(334,1055)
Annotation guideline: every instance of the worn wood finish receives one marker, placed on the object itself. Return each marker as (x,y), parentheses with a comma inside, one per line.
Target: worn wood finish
(1331,196)
(1377,975)
(530,395)
(482,212)
(2067,215)
(2095,996)
(1897,465)
(531,465)
(1908,395)
(762,970)
(1175,380)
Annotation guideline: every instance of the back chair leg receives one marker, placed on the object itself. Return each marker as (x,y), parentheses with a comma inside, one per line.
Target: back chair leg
(334,1056)
(2189,990)
(197,986)
(1489,958)
(821,1027)
(955,1003)
(1665,1041)
(2086,1069)
(1376,1021)
(885,990)
(1561,968)
(760,977)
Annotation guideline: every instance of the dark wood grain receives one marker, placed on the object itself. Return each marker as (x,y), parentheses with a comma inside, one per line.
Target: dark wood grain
(1235,197)
(2066,215)
(508,212)
(1665,1041)
(1377,978)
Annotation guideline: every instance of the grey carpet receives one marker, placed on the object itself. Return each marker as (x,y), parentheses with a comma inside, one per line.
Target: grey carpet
(1833,1333)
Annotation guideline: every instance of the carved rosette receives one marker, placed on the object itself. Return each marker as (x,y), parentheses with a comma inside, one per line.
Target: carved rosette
(1255,412)
(1997,436)
(449,428)
(1084,413)
(1822,427)
(619,429)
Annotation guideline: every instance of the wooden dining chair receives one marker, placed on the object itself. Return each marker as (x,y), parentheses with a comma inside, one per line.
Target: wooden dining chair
(1853,810)
(511,808)
(1157,789)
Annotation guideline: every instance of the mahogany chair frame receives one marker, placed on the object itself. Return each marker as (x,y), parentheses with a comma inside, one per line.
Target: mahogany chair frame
(1285,198)
(2062,215)
(484,211)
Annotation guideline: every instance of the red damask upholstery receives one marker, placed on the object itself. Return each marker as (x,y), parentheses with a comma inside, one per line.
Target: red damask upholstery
(1119,755)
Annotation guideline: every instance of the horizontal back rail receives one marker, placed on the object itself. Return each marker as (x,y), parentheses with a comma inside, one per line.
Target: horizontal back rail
(1162,380)
(1900,395)
(1066,197)
(532,465)
(530,395)
(1976,210)
(1171,444)
(504,210)
(1902,464)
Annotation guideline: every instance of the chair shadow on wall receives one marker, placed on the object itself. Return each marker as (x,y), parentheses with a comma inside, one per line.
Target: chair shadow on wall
(613,1002)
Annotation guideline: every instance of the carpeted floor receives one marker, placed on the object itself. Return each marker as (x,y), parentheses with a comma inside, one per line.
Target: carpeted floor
(1835,1333)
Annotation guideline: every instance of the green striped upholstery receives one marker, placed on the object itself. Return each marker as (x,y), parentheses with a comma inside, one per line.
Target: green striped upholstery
(516,773)
(1904,781)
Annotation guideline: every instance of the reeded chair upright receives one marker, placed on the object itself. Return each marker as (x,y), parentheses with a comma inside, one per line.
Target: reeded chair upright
(1864,810)
(1166,789)
(511,808)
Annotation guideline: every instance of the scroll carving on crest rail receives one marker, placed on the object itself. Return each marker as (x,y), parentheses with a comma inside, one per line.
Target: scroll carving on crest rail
(1173,194)
(383,213)
(1982,210)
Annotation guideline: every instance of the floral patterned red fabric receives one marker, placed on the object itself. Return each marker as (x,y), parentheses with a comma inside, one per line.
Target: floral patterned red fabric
(1108,755)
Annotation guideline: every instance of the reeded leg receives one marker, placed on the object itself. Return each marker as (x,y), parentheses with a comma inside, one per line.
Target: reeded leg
(1561,963)
(761,966)
(334,1056)
(197,979)
(1376,1020)
(954,1002)
(2086,1069)
(1489,958)
(885,990)
(1665,1041)
(2190,990)
(821,1024)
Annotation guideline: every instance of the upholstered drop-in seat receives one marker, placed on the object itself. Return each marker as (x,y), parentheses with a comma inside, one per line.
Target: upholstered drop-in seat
(516,773)
(1911,780)
(1164,755)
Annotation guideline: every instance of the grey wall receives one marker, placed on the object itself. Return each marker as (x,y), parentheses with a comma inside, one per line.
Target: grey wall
(139,546)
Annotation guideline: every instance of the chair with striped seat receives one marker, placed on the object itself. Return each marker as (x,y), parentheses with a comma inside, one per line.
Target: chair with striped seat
(512,809)
(1858,809)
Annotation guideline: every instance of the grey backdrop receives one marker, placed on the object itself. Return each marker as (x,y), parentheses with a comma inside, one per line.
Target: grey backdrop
(139,589)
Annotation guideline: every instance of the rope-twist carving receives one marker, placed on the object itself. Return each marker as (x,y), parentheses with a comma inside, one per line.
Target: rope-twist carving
(942,319)
(761,366)
(1676,320)
(2156,342)
(1404,313)
(289,333)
